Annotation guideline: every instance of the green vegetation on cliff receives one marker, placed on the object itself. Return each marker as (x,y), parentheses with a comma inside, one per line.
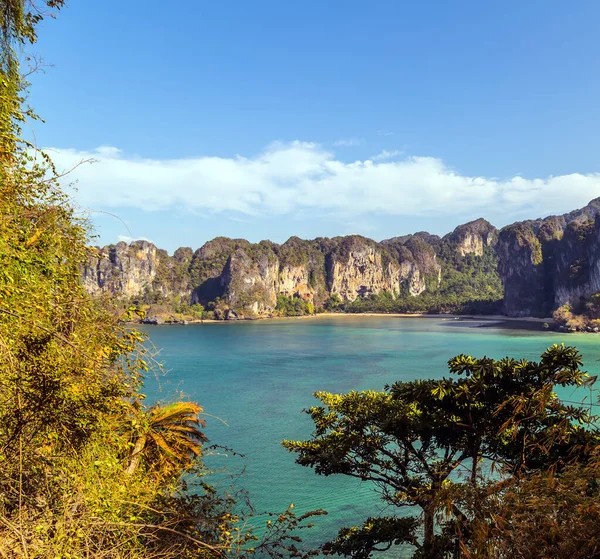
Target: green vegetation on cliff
(584,316)
(547,263)
(467,284)
(415,273)
(293,306)
(88,470)
(528,269)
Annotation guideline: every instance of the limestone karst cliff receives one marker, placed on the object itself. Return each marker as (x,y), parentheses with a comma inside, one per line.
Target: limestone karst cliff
(473,237)
(527,268)
(250,277)
(130,270)
(548,262)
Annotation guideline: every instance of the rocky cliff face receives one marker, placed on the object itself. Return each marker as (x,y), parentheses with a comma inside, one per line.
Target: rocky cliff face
(250,281)
(250,277)
(135,269)
(124,269)
(549,262)
(577,262)
(520,267)
(472,237)
(358,267)
(346,267)
(543,264)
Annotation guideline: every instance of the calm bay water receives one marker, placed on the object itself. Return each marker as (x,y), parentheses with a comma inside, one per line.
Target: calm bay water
(258,376)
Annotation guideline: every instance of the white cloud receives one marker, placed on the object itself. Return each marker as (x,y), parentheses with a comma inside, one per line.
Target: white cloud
(301,176)
(108,151)
(385,154)
(347,142)
(384,133)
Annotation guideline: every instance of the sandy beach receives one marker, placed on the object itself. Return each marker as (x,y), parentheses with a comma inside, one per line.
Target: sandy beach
(340,315)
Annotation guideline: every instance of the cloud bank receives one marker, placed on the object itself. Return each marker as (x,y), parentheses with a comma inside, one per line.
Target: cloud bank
(300,176)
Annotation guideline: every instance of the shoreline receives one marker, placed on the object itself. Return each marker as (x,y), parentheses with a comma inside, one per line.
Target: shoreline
(491,318)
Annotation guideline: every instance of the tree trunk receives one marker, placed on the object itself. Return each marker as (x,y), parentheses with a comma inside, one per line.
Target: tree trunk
(428,513)
(476,496)
(476,450)
(136,455)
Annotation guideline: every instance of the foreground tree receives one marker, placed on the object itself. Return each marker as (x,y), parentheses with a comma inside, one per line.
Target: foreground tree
(18,21)
(86,470)
(442,447)
(547,514)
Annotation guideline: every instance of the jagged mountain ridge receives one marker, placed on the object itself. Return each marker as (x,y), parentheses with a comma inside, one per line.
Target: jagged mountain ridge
(251,276)
(541,263)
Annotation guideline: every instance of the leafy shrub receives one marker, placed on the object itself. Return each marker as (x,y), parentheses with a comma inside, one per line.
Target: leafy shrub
(293,306)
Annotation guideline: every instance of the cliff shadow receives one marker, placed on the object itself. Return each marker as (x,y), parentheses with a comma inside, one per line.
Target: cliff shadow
(208,290)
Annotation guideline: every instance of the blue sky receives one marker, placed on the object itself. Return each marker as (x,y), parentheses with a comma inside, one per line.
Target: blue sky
(267,119)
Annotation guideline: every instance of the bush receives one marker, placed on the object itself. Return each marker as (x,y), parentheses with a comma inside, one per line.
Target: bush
(293,306)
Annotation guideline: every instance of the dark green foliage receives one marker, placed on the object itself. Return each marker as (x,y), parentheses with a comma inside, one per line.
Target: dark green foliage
(298,252)
(460,273)
(547,515)
(295,251)
(468,284)
(541,261)
(423,254)
(414,439)
(452,303)
(209,261)
(525,237)
(264,249)
(333,303)
(469,278)
(86,470)
(451,282)
(583,316)
(293,306)
(195,311)
(181,262)
(376,534)
(149,297)
(206,267)
(256,295)
(345,245)
(580,230)
(552,229)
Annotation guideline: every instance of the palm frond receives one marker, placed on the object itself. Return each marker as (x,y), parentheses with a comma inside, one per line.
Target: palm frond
(169,450)
(177,411)
(173,437)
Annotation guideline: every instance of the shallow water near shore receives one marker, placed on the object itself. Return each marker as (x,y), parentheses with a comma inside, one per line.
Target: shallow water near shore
(257,377)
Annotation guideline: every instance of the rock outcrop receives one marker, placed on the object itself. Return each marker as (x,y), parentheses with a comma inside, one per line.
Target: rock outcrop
(250,277)
(549,262)
(542,263)
(577,262)
(250,280)
(135,269)
(472,237)
(123,269)
(358,267)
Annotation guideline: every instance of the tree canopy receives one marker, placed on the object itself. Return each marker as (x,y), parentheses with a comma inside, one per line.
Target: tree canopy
(425,444)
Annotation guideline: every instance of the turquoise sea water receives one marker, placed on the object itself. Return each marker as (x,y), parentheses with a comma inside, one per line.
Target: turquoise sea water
(258,376)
